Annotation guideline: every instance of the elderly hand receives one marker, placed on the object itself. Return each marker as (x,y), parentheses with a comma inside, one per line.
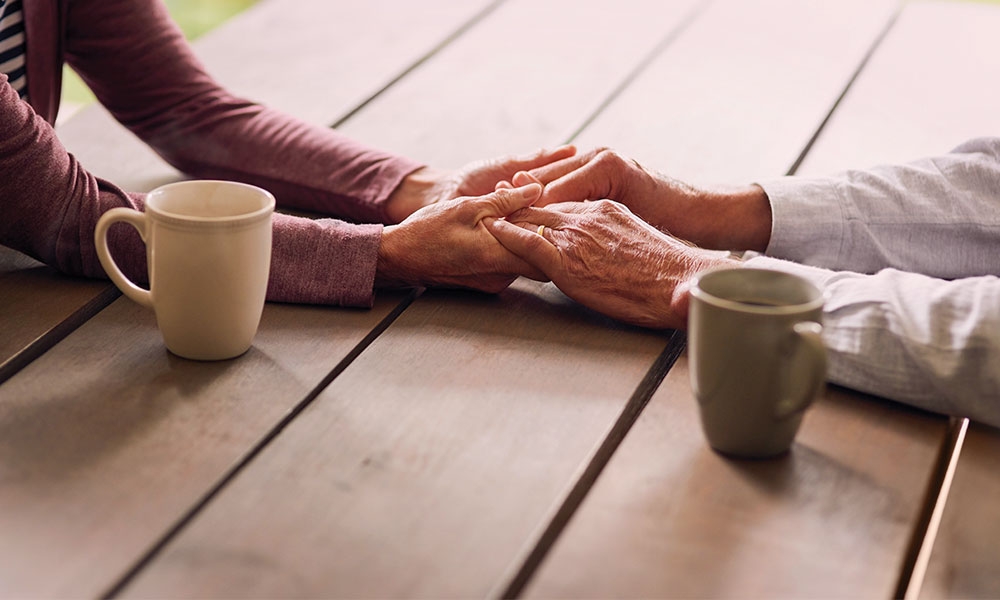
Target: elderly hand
(722,219)
(446,244)
(427,186)
(606,258)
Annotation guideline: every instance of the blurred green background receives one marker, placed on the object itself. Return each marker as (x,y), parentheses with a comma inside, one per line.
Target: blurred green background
(195,18)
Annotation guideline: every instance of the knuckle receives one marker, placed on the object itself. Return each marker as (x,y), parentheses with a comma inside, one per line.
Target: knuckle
(606,206)
(609,158)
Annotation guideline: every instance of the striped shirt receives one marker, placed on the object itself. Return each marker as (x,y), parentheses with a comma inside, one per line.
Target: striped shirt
(12,46)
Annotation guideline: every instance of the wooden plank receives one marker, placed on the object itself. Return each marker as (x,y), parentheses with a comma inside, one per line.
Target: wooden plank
(424,467)
(668,516)
(34,302)
(528,76)
(107,440)
(443,466)
(399,510)
(339,52)
(671,517)
(930,87)
(737,97)
(322,59)
(965,557)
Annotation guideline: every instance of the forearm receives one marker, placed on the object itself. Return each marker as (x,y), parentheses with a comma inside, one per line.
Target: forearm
(938,216)
(323,262)
(141,68)
(307,168)
(737,219)
(51,204)
(928,342)
(718,218)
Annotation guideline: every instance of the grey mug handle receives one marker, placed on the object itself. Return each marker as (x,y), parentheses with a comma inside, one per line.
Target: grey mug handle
(808,340)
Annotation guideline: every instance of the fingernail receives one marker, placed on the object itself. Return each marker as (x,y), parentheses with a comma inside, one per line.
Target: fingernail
(530,190)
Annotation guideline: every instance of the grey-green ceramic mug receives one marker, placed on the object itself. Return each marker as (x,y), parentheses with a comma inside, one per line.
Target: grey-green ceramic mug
(757,360)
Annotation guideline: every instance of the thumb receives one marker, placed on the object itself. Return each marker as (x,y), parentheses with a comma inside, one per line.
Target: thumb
(502,202)
(526,245)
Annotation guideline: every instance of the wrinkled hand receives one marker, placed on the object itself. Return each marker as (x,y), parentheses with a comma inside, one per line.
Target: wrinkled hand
(446,244)
(427,186)
(605,257)
(722,219)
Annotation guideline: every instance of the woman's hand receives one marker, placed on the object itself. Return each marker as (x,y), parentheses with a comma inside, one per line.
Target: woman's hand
(427,186)
(446,244)
(605,257)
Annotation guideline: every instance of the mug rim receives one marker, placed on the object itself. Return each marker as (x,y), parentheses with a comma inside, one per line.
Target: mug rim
(782,309)
(189,220)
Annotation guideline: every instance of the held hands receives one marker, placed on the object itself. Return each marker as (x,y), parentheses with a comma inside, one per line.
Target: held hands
(447,244)
(605,257)
(427,186)
(721,219)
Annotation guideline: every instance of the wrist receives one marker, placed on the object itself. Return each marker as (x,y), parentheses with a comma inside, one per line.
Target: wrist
(680,299)
(736,218)
(390,271)
(418,189)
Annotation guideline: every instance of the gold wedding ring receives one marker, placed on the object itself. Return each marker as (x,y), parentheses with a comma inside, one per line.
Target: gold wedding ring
(541,229)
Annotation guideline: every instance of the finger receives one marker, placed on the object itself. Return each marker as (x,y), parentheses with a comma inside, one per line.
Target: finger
(515,265)
(530,247)
(524,178)
(554,170)
(502,202)
(540,158)
(586,183)
(503,185)
(544,216)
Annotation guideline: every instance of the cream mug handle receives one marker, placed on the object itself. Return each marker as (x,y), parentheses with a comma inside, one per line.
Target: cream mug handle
(135,219)
(808,339)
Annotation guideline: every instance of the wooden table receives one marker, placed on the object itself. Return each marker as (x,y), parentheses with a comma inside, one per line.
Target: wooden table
(452,444)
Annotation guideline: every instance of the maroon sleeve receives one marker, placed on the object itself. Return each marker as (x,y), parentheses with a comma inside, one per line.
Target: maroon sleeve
(49,207)
(141,68)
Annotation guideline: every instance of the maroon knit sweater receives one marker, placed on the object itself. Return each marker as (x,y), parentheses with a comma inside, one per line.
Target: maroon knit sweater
(142,70)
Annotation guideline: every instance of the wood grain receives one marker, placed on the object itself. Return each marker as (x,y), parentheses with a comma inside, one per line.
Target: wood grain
(315,59)
(329,57)
(528,76)
(669,517)
(965,558)
(438,454)
(108,440)
(427,465)
(738,95)
(34,302)
(931,86)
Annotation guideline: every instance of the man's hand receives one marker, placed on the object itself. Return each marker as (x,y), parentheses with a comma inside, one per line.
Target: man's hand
(722,219)
(606,258)
(446,244)
(427,186)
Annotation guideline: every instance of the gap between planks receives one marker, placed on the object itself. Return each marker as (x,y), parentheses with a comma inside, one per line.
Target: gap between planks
(665,361)
(56,334)
(259,447)
(918,554)
(630,413)
(850,83)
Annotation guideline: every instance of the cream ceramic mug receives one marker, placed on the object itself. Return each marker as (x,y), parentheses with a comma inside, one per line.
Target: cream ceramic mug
(208,250)
(756,357)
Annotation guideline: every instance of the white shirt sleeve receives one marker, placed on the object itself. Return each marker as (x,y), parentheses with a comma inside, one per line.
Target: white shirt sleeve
(923,325)
(928,342)
(938,216)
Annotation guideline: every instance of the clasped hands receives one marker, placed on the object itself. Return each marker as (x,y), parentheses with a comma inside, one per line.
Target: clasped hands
(594,224)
